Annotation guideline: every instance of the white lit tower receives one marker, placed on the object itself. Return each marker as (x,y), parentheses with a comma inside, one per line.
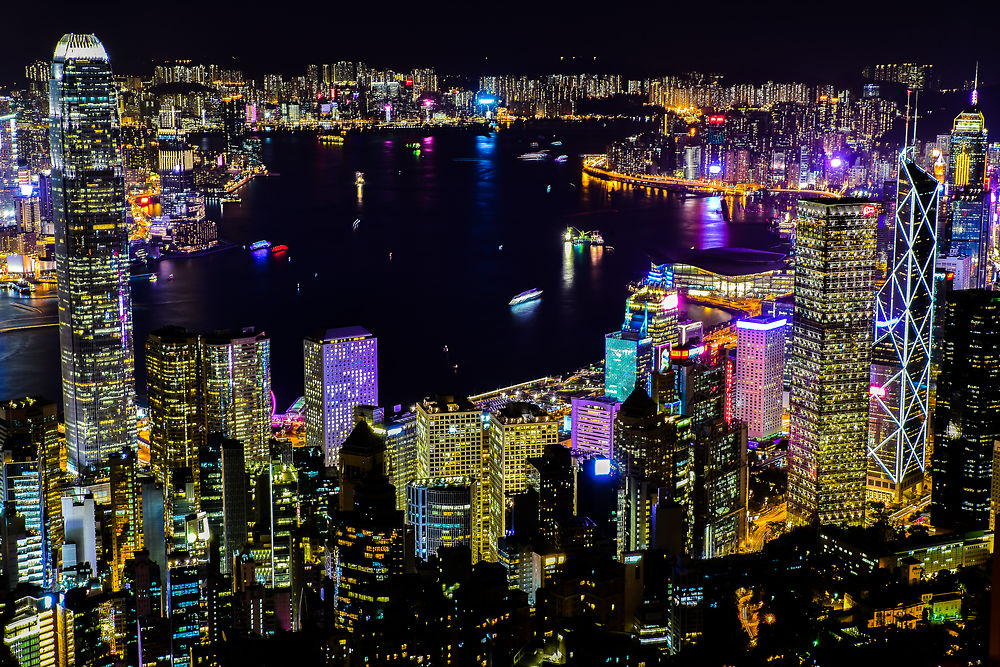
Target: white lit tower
(901,358)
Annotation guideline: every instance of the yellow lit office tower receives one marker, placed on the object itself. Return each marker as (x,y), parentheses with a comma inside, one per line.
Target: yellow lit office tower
(518,432)
(831,360)
(126,513)
(172,389)
(450,443)
(88,204)
(236,389)
(41,633)
(284,484)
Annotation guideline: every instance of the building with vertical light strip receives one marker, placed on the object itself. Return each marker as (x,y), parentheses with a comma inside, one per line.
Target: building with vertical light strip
(899,416)
(831,360)
(968,209)
(95,303)
(760,365)
(341,372)
(236,388)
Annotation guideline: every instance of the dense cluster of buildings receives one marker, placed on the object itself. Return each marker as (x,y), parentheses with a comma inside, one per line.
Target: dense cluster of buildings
(493,532)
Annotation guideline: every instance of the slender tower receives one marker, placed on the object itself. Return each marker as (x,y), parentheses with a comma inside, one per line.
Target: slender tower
(901,357)
(95,305)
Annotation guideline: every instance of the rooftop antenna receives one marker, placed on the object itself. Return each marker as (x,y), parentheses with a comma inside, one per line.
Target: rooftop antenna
(975,87)
(906,130)
(916,100)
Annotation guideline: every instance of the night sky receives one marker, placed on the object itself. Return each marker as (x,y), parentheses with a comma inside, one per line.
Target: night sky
(784,40)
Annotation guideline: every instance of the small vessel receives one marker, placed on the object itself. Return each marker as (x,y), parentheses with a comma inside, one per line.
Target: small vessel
(556,143)
(562,158)
(356,223)
(153,278)
(279,248)
(528,295)
(170,277)
(359,178)
(263,244)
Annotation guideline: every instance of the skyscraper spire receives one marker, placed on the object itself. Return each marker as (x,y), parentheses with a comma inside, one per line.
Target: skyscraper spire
(975,87)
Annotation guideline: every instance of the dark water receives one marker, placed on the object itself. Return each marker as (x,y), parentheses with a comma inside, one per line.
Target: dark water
(442,216)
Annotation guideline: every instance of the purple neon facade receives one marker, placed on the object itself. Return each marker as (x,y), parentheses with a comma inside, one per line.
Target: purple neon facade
(593,425)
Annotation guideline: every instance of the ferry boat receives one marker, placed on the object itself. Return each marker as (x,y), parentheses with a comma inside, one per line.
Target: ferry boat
(524,297)
(359,178)
(533,157)
(260,245)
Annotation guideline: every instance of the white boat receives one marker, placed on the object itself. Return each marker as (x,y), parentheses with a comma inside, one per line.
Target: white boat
(524,297)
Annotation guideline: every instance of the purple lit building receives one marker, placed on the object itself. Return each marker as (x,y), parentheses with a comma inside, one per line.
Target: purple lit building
(341,373)
(593,424)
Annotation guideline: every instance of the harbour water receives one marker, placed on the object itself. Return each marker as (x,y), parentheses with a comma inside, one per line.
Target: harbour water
(444,239)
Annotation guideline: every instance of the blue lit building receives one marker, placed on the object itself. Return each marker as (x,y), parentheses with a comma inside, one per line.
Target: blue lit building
(628,363)
(185,579)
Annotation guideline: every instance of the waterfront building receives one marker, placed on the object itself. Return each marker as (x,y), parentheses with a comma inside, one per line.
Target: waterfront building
(651,309)
(236,388)
(95,305)
(628,363)
(899,416)
(967,413)
(732,273)
(172,389)
(341,372)
(758,373)
(441,512)
(451,443)
(593,427)
(831,360)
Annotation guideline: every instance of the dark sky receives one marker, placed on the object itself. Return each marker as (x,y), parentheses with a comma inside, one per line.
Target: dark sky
(782,40)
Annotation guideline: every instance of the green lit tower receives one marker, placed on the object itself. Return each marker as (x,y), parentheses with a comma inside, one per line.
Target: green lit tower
(831,360)
(95,304)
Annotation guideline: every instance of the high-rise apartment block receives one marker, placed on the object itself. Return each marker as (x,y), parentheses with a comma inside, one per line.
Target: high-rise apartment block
(831,360)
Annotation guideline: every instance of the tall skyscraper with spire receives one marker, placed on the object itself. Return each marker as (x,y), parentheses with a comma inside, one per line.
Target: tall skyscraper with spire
(95,304)
(968,219)
(901,358)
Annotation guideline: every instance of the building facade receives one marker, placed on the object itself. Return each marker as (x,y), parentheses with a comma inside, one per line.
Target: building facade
(831,359)
(95,303)
(759,368)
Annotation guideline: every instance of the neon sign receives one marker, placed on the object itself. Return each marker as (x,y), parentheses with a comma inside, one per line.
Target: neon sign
(868,210)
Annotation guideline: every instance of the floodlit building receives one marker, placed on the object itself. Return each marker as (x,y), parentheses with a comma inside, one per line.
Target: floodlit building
(760,365)
(341,372)
(831,360)
(95,303)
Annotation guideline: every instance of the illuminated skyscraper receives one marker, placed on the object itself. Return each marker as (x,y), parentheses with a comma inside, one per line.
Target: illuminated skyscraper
(968,214)
(236,388)
(95,304)
(450,443)
(901,358)
(341,372)
(831,360)
(967,413)
(651,307)
(125,515)
(760,365)
(628,363)
(521,431)
(41,633)
(173,394)
(441,512)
